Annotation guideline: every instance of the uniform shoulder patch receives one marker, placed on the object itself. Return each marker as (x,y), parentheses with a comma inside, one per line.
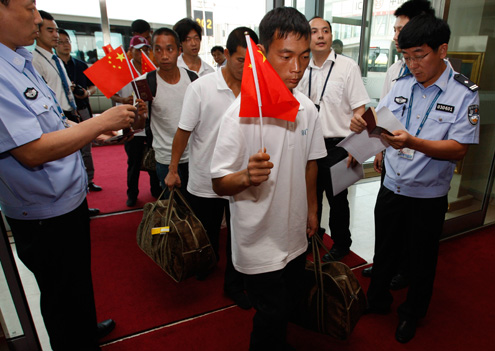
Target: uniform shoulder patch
(461,78)
(474,114)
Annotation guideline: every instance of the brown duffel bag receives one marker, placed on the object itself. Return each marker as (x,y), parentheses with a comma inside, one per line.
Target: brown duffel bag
(172,236)
(333,300)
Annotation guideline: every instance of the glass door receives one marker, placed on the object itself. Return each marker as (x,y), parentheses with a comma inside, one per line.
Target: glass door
(472,48)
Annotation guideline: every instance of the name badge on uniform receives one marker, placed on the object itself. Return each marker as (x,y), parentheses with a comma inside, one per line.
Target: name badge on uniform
(406,153)
(31,94)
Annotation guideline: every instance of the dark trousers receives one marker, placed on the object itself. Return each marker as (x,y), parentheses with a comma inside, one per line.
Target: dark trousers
(417,223)
(210,212)
(274,296)
(87,156)
(58,251)
(339,220)
(134,150)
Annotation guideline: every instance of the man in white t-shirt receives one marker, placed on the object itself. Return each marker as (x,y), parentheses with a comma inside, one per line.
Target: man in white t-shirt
(272,191)
(171,85)
(190,33)
(333,82)
(205,102)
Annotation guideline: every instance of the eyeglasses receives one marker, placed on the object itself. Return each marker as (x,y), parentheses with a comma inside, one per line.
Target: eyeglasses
(63,42)
(416,59)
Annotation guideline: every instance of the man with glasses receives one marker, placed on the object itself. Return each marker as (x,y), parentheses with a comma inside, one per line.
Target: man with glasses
(190,33)
(440,110)
(82,88)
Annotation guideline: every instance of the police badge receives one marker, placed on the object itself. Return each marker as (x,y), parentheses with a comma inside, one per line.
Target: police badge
(31,93)
(400,100)
(474,114)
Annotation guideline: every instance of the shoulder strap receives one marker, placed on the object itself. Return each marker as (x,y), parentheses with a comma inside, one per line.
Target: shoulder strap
(461,78)
(152,83)
(192,75)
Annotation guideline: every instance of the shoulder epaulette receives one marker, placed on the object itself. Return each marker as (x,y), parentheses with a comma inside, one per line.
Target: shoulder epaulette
(461,78)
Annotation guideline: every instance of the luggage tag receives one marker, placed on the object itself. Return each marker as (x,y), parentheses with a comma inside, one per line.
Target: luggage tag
(159,230)
(406,153)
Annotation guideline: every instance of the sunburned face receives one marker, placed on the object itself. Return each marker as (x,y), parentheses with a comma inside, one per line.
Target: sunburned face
(289,57)
(19,23)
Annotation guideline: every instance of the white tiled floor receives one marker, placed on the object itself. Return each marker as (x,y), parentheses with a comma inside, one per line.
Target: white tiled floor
(361,199)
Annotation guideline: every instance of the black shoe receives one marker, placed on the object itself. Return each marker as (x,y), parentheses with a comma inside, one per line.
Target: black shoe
(336,254)
(241,299)
(131,202)
(405,331)
(104,328)
(93,211)
(398,282)
(377,310)
(94,187)
(367,272)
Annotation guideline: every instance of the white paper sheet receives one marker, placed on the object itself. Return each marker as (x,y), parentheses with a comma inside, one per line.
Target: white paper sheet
(343,177)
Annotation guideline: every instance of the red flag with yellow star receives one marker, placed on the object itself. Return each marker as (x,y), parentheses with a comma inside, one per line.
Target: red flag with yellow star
(276,99)
(111,73)
(146,64)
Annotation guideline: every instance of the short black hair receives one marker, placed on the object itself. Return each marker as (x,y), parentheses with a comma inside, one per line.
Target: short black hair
(165,31)
(184,26)
(238,38)
(140,26)
(338,42)
(424,29)
(413,8)
(63,31)
(322,19)
(46,16)
(282,21)
(217,48)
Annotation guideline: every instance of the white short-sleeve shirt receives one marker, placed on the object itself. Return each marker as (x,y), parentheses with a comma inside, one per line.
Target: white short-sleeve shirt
(205,102)
(165,114)
(203,70)
(344,92)
(268,222)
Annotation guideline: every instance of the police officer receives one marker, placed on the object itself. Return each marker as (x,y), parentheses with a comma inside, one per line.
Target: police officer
(439,109)
(43,183)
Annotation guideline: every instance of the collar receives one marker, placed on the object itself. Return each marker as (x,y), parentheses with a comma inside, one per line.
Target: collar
(44,52)
(16,59)
(296,92)
(221,83)
(443,80)
(332,56)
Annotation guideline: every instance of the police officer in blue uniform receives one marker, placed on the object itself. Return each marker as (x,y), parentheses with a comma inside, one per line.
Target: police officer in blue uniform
(439,109)
(43,183)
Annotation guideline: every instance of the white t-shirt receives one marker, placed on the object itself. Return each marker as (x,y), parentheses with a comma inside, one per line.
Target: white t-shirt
(344,92)
(127,91)
(205,102)
(47,68)
(393,72)
(268,221)
(203,70)
(165,114)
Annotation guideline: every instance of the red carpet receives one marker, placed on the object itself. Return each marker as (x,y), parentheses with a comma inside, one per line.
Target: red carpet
(131,289)
(460,318)
(111,174)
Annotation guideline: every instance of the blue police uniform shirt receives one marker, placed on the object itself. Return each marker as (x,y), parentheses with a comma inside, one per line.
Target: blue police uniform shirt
(28,109)
(454,116)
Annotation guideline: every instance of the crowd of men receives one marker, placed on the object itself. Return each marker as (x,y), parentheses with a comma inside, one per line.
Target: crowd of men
(271,197)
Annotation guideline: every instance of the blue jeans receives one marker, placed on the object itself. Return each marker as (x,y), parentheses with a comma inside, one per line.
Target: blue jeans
(183,170)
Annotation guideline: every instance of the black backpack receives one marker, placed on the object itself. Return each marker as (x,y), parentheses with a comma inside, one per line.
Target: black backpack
(152,83)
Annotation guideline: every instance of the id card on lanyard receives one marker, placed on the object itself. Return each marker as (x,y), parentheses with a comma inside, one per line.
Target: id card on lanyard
(407,153)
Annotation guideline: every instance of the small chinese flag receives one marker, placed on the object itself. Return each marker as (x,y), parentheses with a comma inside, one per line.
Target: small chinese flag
(111,73)
(146,64)
(276,99)
(107,49)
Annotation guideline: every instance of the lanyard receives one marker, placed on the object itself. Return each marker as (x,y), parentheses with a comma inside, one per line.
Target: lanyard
(427,112)
(326,81)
